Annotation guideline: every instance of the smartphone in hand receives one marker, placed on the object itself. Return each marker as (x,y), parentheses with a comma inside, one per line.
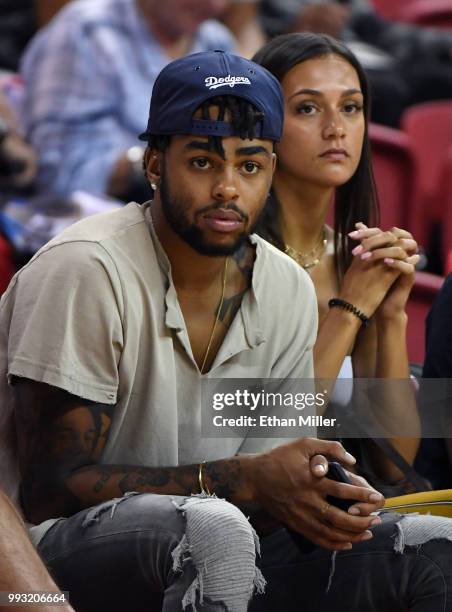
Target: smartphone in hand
(337,472)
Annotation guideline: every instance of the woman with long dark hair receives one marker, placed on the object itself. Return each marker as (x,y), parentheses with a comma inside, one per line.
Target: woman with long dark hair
(362,275)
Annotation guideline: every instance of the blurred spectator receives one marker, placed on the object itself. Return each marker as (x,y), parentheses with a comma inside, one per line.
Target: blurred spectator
(405,64)
(19,20)
(17,173)
(422,57)
(328,17)
(280,16)
(242,17)
(88,76)
(435,454)
(438,360)
(17,158)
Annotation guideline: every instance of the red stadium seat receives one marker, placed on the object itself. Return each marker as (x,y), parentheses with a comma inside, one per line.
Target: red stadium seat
(393,169)
(421,299)
(429,130)
(448,263)
(445,194)
(431,13)
(7,268)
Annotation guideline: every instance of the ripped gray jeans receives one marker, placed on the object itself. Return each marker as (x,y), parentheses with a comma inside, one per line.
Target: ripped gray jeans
(165,553)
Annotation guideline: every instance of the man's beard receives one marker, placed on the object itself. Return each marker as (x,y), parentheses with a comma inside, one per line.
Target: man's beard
(174,210)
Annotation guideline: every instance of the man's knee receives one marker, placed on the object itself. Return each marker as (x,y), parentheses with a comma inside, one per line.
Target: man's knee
(203,546)
(222,545)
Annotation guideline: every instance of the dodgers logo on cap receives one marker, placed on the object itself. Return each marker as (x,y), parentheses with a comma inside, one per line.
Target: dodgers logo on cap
(213,82)
(183,85)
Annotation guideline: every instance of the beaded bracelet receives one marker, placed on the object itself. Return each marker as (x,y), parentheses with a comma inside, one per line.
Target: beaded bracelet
(338,303)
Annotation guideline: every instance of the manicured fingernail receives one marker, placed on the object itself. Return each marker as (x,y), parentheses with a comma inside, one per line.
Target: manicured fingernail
(388,260)
(358,249)
(374,498)
(354,510)
(366,255)
(376,521)
(347,546)
(354,234)
(350,458)
(320,468)
(367,535)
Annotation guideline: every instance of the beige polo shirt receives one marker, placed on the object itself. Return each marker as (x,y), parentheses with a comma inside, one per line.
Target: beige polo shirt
(96,313)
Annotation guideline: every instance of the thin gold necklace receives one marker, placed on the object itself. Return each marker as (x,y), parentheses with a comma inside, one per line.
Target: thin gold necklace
(315,253)
(225,270)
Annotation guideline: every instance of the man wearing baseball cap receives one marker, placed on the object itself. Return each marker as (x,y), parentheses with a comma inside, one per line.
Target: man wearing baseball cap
(106,336)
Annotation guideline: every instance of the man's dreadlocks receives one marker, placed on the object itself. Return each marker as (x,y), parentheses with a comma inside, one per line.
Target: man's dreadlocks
(243,116)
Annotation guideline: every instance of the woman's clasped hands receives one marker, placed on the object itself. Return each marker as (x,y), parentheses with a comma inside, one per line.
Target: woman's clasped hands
(381,275)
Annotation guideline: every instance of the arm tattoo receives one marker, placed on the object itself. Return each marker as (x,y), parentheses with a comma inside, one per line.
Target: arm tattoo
(230,307)
(57,434)
(120,479)
(225,477)
(105,475)
(141,478)
(244,258)
(61,440)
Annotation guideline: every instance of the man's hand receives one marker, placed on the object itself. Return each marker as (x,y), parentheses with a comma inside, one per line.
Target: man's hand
(293,488)
(319,467)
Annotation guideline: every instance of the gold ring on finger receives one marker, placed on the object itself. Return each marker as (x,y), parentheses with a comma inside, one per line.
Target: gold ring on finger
(324,509)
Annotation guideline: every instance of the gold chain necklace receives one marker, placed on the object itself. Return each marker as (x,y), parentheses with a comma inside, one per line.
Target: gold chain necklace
(316,253)
(225,271)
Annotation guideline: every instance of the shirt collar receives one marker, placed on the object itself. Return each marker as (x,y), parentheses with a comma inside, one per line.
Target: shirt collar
(173,318)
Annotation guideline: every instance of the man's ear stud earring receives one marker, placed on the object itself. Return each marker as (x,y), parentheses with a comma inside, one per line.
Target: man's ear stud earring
(154,186)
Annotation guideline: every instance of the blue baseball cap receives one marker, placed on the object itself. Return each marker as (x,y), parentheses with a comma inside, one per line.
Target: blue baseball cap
(183,85)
